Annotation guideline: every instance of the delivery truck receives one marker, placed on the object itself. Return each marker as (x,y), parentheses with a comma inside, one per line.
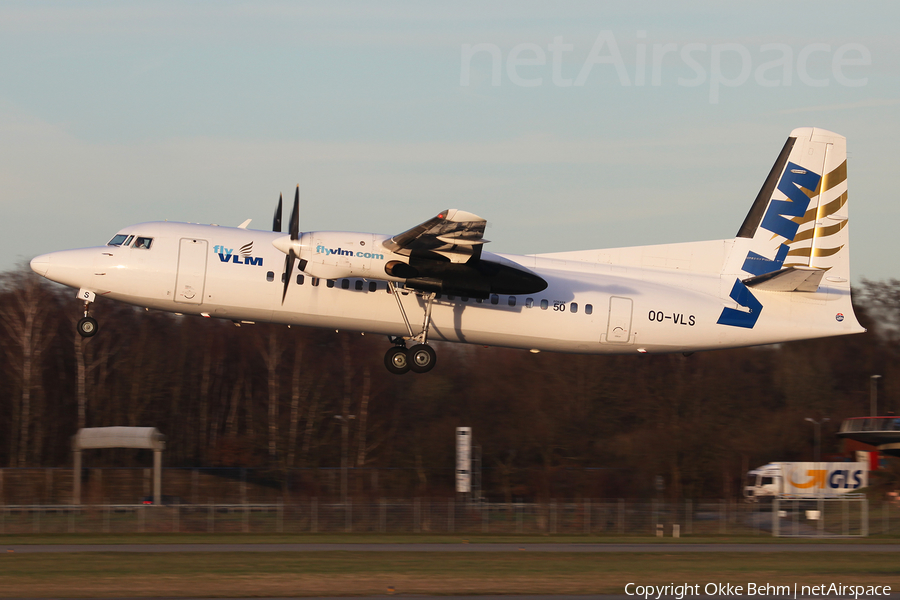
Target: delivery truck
(805,480)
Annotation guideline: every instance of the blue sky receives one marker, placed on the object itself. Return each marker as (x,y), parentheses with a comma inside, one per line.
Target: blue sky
(115,113)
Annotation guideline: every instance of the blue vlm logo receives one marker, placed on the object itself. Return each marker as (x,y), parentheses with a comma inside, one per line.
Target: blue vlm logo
(792,183)
(241,258)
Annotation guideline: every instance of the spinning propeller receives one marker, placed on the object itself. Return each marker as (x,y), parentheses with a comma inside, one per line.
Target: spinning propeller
(295,236)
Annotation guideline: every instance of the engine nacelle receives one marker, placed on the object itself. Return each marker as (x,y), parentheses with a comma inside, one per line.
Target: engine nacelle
(336,254)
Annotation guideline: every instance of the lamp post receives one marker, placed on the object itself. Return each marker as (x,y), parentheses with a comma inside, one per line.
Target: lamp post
(873,395)
(817,453)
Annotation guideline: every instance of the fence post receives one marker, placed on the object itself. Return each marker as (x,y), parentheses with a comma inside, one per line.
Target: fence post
(451,509)
(314,516)
(279,516)
(485,517)
(689,517)
(587,516)
(140,516)
(211,517)
(246,527)
(821,523)
(106,516)
(553,516)
(519,517)
(36,522)
(723,515)
(175,518)
(348,516)
(417,515)
(846,511)
(864,517)
(776,519)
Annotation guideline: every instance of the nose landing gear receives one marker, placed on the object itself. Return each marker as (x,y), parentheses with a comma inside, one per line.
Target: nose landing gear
(87,325)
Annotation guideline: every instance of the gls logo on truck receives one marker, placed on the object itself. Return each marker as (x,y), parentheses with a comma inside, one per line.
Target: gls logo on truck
(242,258)
(793,181)
(820,479)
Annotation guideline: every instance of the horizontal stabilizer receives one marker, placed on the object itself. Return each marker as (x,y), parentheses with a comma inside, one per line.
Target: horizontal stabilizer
(790,279)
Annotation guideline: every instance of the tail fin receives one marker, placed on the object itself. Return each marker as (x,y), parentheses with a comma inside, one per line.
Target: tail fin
(798,222)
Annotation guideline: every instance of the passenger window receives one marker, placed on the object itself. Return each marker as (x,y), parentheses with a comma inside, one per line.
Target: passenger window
(143,243)
(270,276)
(588,309)
(373,287)
(545,304)
(464,298)
(438,296)
(314,281)
(451,297)
(330,283)
(359,285)
(345,284)
(495,299)
(574,307)
(479,300)
(529,302)
(512,300)
(118,240)
(299,279)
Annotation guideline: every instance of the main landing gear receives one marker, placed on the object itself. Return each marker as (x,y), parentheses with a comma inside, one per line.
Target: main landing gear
(421,357)
(87,325)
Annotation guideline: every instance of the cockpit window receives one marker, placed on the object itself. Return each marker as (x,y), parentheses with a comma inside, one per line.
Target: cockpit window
(118,240)
(143,242)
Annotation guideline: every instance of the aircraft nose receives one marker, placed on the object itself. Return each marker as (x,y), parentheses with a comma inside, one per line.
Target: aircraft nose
(41,264)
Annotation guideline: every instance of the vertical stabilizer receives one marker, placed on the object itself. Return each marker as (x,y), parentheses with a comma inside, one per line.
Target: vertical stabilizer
(799,218)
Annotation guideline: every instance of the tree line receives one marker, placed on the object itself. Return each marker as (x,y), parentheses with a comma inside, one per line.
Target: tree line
(546,425)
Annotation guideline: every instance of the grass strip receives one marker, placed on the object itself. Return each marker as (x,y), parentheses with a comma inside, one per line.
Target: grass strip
(370,538)
(366,573)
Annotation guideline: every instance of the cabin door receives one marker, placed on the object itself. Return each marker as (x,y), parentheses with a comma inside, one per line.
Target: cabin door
(191,278)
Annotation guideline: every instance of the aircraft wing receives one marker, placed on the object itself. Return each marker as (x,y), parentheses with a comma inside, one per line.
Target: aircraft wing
(456,235)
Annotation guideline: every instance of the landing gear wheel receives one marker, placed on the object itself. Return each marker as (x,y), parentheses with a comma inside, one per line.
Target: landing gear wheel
(396,361)
(87,326)
(422,358)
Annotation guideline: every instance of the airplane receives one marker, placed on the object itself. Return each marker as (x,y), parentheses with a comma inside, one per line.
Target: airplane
(784,276)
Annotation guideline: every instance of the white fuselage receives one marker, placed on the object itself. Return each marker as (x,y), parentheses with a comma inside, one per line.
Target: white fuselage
(665,298)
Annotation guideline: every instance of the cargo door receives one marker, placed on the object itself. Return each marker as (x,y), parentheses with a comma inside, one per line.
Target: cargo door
(618,328)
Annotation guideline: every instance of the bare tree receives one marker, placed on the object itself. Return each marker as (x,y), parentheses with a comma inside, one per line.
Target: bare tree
(25,320)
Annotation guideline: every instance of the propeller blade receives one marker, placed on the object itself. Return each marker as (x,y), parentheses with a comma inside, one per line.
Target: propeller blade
(288,272)
(276,223)
(295,235)
(295,216)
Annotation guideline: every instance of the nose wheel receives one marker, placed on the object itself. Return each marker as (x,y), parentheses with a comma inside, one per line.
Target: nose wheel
(87,326)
